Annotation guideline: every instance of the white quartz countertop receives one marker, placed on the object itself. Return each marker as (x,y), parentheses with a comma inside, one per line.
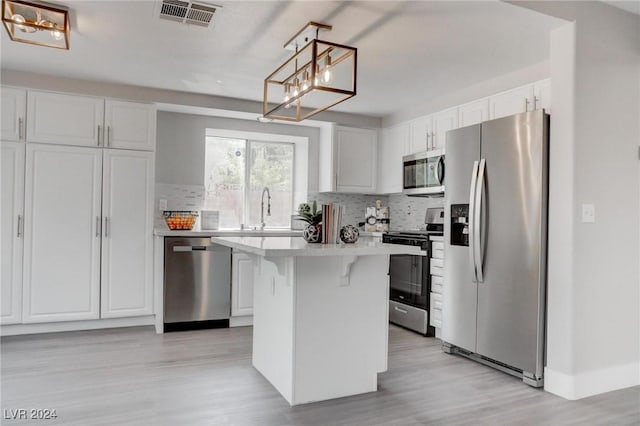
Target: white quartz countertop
(297,246)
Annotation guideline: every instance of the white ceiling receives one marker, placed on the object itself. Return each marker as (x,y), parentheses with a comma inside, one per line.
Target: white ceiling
(407,50)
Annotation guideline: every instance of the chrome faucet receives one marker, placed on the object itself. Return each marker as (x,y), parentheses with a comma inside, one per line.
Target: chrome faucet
(262,224)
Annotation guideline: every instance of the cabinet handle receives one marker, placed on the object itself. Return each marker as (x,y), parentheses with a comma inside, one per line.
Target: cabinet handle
(19,223)
(20,131)
(99,131)
(428,144)
(97,226)
(108,135)
(106,227)
(526,104)
(335,186)
(433,140)
(535,103)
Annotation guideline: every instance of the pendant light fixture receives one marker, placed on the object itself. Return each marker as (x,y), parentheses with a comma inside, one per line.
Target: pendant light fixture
(38,23)
(319,75)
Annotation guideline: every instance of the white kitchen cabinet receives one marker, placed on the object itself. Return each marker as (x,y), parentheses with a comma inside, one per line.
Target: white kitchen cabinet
(127,234)
(130,125)
(348,160)
(391,148)
(62,233)
(443,121)
(14,102)
(241,284)
(473,112)
(89,121)
(437,283)
(419,135)
(64,119)
(511,102)
(542,95)
(11,234)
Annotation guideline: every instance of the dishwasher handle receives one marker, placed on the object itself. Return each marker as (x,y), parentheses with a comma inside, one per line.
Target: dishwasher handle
(190,248)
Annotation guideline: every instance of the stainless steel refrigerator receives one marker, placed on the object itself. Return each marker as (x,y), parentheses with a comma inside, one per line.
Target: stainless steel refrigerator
(495,243)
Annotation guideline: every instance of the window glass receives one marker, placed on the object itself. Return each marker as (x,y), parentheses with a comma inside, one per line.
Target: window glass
(232,163)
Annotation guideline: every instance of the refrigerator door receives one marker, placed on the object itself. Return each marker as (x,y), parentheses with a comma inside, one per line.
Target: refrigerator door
(510,319)
(459,291)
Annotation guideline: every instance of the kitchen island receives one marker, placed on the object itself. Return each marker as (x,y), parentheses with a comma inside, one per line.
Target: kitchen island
(320,314)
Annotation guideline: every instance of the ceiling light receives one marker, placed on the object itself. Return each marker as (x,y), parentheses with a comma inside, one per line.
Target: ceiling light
(38,23)
(330,66)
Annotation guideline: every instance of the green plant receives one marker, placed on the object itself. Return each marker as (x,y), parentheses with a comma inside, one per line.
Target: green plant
(310,214)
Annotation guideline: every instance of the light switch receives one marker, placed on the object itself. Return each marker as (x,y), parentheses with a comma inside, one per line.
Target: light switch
(588,213)
(162,204)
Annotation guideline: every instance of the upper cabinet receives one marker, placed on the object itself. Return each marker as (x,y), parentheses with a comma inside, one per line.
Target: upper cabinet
(14,103)
(130,125)
(419,135)
(88,121)
(348,160)
(521,99)
(442,122)
(473,113)
(391,148)
(64,119)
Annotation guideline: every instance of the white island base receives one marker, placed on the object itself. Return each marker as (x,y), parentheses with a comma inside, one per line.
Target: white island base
(317,336)
(320,317)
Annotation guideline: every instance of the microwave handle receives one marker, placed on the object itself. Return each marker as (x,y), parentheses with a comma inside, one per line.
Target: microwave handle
(440,171)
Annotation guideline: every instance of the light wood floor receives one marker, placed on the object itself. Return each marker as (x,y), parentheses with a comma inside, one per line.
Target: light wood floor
(135,377)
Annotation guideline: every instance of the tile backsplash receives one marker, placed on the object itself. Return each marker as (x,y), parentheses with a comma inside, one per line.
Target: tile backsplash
(406,212)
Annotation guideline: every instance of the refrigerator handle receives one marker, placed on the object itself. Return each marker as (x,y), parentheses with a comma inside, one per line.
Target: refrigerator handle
(472,226)
(477,249)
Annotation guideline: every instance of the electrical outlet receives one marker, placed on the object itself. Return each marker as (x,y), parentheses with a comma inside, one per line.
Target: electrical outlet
(162,204)
(588,213)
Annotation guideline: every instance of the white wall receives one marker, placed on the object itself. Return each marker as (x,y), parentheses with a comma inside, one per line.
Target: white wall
(594,282)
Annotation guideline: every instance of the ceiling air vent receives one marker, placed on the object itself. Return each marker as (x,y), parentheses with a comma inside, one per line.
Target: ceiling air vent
(188,12)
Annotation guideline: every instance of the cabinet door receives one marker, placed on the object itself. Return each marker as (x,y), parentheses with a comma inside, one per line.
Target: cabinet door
(511,102)
(542,95)
(64,119)
(241,284)
(356,157)
(11,225)
(14,102)
(127,234)
(419,135)
(443,122)
(130,125)
(62,233)
(473,113)
(392,145)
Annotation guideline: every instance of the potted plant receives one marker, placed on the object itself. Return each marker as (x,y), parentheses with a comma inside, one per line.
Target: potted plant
(310,214)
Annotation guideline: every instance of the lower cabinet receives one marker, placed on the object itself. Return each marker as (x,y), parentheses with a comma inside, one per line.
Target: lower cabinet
(88,233)
(437,282)
(11,235)
(241,284)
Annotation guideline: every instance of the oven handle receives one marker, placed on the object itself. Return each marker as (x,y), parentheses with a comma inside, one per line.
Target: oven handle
(472,224)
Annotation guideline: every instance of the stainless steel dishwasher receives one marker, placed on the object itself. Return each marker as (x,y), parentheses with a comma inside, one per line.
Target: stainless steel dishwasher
(197,284)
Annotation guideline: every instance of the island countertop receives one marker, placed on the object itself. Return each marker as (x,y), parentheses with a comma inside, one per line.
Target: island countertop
(297,246)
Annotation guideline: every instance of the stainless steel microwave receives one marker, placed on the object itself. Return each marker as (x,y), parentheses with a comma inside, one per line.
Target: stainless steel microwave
(423,174)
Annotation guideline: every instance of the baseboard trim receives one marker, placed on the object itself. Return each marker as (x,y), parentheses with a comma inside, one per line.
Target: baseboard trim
(589,383)
(241,321)
(55,327)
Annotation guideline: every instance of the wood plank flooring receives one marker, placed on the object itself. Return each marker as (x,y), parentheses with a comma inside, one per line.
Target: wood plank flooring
(135,377)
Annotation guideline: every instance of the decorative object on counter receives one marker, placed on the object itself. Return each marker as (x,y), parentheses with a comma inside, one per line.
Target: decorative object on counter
(319,75)
(309,213)
(377,218)
(209,219)
(36,23)
(370,220)
(349,234)
(331,221)
(179,220)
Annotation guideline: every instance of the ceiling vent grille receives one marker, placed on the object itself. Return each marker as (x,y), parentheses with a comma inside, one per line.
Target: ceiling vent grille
(188,12)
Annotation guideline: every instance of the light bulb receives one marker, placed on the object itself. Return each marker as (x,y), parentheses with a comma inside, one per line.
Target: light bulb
(56,34)
(326,76)
(305,83)
(296,84)
(316,78)
(19,19)
(286,96)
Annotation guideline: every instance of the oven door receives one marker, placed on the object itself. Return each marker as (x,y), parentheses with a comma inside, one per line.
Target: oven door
(408,279)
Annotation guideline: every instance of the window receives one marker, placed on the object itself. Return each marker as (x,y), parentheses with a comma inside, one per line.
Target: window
(237,171)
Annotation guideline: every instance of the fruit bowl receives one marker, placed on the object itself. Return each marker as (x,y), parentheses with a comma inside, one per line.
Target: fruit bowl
(180,220)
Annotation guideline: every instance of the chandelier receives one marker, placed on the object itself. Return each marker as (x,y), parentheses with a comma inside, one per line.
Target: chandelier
(319,75)
(38,23)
